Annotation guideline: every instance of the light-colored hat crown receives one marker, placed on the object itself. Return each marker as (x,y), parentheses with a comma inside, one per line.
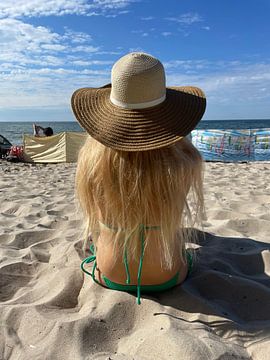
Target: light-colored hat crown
(138,82)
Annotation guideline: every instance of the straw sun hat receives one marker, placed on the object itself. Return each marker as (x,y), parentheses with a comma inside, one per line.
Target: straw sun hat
(136,112)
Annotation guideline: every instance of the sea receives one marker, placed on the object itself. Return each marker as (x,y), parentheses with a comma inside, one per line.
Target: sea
(13,131)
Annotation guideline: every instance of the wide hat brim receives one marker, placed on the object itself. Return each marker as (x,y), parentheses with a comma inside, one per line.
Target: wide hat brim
(141,129)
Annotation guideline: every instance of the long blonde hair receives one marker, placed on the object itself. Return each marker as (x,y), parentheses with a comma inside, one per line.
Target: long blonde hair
(126,189)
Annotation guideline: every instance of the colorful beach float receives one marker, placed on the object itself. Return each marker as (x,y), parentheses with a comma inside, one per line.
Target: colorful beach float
(233,145)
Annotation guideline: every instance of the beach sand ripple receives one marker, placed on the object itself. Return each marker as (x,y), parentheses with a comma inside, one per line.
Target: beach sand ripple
(51,310)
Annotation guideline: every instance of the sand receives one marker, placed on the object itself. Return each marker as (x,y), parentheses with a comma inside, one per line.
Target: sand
(50,310)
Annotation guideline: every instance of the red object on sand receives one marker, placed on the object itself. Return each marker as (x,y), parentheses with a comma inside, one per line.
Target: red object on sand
(16,152)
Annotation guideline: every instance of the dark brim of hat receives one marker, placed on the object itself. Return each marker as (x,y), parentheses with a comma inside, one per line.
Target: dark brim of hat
(140,129)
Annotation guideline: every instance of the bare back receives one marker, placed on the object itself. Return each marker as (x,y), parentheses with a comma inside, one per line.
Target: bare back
(152,272)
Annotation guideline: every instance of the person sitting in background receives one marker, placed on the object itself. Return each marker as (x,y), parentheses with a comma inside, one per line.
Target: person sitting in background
(40,131)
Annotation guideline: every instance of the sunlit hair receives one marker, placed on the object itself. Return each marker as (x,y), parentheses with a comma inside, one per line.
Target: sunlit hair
(160,187)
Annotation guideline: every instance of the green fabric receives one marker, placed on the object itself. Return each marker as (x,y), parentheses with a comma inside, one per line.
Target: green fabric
(132,288)
(144,288)
(141,229)
(142,238)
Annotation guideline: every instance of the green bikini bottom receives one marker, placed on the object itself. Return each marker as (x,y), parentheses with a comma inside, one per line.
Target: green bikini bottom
(133,288)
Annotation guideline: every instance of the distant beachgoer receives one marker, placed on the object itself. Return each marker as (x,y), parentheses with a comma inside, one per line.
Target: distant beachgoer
(134,174)
(40,131)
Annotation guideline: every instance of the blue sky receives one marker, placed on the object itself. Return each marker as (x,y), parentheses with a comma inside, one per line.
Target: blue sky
(51,48)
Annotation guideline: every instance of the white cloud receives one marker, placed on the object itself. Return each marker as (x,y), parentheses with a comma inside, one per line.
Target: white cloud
(35,8)
(53,47)
(231,82)
(58,72)
(123,12)
(23,34)
(147,18)
(108,52)
(142,32)
(229,85)
(27,45)
(85,48)
(76,36)
(92,62)
(111,4)
(183,65)
(233,89)
(166,33)
(32,8)
(44,67)
(186,19)
(46,86)
(23,43)
(137,49)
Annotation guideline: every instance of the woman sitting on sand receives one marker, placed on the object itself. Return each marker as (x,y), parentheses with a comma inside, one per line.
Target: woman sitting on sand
(134,175)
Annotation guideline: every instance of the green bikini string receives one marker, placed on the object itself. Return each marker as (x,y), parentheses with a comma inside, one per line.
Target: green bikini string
(93,258)
(89,260)
(142,239)
(142,229)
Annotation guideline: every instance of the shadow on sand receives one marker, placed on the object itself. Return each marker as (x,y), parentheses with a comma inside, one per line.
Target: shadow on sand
(231,282)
